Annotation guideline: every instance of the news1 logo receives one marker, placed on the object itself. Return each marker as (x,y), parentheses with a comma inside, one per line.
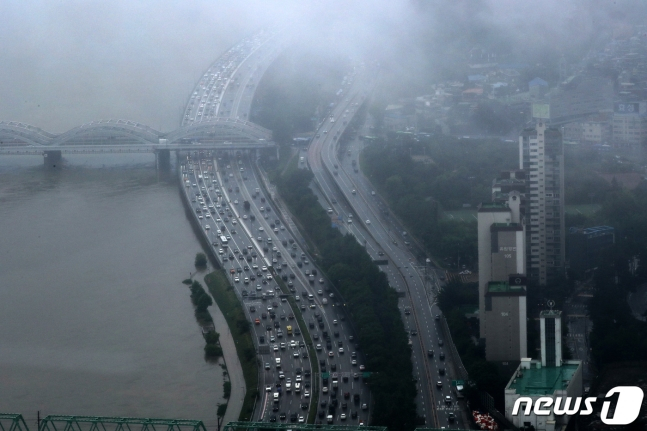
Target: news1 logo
(627,408)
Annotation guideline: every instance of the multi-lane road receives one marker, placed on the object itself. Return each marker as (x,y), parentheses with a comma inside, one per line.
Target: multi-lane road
(255,247)
(358,210)
(259,247)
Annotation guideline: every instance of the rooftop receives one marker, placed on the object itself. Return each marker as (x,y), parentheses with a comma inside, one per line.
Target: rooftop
(493,206)
(504,287)
(543,380)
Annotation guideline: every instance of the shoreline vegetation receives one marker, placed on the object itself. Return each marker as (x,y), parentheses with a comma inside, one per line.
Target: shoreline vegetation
(232,309)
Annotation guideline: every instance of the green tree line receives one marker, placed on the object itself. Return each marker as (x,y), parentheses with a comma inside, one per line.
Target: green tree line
(371,304)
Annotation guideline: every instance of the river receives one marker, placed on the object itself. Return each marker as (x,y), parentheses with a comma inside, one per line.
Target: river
(93,317)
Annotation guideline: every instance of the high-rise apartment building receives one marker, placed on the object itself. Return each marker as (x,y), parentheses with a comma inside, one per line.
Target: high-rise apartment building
(541,155)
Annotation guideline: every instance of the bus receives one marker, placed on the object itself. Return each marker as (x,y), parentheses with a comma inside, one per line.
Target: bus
(224,241)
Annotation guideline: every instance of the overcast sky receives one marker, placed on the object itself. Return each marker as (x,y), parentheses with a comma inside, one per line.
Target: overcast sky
(67,62)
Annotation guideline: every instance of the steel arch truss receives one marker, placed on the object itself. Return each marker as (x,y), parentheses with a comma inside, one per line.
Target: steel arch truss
(15,130)
(221,130)
(109,129)
(104,423)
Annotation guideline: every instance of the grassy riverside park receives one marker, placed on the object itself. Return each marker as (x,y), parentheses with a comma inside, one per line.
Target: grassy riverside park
(232,309)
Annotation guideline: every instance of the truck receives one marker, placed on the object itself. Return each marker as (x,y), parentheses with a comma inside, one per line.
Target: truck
(289,329)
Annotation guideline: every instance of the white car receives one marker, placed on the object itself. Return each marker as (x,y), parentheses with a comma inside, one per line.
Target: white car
(368,222)
(324,389)
(207,227)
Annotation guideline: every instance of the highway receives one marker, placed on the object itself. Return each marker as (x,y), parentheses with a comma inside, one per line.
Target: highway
(351,198)
(258,248)
(256,241)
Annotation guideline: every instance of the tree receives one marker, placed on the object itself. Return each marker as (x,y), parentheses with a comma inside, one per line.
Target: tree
(212,351)
(200,260)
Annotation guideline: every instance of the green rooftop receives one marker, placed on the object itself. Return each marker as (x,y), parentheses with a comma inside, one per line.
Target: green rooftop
(503,286)
(544,380)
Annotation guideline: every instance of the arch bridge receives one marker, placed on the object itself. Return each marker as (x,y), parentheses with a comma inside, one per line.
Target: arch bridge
(124,136)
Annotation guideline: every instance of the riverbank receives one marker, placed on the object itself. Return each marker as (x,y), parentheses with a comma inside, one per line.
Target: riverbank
(239,327)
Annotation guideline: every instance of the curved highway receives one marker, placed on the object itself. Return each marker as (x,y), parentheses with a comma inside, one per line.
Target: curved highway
(255,248)
(360,212)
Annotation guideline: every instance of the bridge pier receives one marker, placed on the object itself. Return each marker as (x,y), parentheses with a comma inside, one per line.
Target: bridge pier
(163,159)
(52,158)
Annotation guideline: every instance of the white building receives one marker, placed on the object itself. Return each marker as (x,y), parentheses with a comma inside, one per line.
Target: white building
(542,157)
(547,377)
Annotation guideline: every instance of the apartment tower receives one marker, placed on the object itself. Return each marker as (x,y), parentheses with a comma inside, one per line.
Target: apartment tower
(541,155)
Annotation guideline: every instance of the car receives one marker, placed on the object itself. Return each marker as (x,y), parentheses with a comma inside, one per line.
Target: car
(331,354)
(448,399)
(261,229)
(267,365)
(353,362)
(341,350)
(296,354)
(301,419)
(368,222)
(318,347)
(342,416)
(362,368)
(268,388)
(440,342)
(451,417)
(364,406)
(282,416)
(324,389)
(437,317)
(439,384)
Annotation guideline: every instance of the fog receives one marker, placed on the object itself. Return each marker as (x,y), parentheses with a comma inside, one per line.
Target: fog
(67,63)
